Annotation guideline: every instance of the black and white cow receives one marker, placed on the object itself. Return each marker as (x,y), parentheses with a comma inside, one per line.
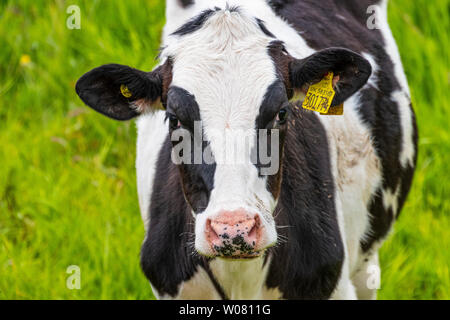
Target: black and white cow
(312,229)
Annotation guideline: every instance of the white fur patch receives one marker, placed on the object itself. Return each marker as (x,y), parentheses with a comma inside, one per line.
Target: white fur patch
(198,287)
(151,134)
(390,199)
(242,279)
(373,77)
(406,121)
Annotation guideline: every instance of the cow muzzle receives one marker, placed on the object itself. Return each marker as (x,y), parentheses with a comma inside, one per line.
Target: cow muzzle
(235,234)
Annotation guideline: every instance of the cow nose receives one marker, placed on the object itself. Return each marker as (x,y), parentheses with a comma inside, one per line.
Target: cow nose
(234,234)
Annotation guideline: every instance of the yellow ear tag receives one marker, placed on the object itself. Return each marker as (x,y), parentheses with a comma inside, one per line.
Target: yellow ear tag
(320,95)
(125,92)
(335,111)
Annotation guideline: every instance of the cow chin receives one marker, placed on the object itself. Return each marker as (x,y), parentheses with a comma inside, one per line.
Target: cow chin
(234,235)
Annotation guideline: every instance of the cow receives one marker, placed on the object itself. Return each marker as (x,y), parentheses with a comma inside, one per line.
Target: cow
(312,228)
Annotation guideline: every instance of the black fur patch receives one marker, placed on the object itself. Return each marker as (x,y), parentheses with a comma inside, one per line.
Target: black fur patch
(278,4)
(183,104)
(197,179)
(195,23)
(264,29)
(274,99)
(388,143)
(308,264)
(166,258)
(186,3)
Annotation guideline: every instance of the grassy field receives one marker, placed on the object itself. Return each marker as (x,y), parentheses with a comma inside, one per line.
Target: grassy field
(67,181)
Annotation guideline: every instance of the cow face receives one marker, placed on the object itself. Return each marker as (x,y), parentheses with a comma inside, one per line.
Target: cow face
(225,87)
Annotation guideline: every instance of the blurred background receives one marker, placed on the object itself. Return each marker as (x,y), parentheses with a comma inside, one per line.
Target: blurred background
(67,179)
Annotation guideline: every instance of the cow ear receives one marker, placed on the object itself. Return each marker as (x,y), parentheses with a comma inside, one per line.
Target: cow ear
(120,92)
(351,71)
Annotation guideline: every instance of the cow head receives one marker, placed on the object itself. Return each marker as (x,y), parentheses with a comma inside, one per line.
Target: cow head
(225,86)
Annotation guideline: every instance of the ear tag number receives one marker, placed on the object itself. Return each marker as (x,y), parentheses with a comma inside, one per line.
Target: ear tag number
(335,111)
(125,91)
(320,95)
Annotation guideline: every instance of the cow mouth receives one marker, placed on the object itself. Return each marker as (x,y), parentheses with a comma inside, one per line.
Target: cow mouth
(246,256)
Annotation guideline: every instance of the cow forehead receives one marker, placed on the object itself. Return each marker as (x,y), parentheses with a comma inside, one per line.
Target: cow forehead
(226,66)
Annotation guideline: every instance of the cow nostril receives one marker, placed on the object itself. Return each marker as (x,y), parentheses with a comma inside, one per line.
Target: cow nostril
(253,232)
(210,232)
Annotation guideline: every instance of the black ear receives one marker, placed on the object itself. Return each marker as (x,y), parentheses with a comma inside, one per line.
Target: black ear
(118,91)
(351,71)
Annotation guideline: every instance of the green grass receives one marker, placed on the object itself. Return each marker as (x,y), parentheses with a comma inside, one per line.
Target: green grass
(67,180)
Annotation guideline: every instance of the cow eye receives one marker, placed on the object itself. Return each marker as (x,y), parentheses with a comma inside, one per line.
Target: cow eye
(174,123)
(282,115)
